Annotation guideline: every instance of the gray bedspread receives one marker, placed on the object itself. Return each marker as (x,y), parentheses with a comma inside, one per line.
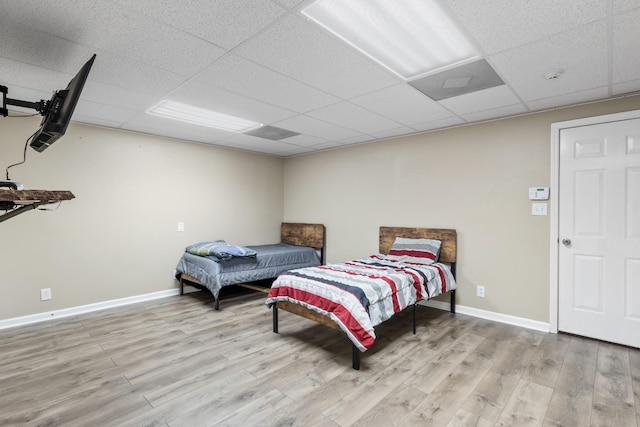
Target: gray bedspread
(270,262)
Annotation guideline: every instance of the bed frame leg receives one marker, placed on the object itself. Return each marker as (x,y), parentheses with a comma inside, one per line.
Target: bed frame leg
(181,285)
(453,301)
(275,318)
(414,318)
(216,304)
(355,357)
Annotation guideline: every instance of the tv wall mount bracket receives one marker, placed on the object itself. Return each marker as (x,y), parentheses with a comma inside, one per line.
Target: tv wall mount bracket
(41,106)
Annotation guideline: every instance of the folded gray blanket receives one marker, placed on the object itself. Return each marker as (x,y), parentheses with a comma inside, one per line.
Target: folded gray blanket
(220,250)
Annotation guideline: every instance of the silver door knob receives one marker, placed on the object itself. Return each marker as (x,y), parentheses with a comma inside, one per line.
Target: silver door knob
(566,242)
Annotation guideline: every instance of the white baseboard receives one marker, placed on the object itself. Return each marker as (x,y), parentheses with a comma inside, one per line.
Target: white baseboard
(490,315)
(441,305)
(66,312)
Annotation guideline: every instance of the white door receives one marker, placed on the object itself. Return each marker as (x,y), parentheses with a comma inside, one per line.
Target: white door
(599,231)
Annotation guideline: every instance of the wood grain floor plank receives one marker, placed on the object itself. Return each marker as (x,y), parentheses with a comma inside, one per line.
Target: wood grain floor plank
(546,362)
(464,418)
(527,405)
(394,408)
(572,397)
(440,367)
(634,361)
(307,412)
(176,361)
(443,402)
(613,400)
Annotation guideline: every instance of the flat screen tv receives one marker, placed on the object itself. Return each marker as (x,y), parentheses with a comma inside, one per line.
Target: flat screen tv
(58,111)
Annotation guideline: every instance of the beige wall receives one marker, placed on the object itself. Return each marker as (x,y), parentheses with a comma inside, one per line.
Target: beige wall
(473,178)
(119,237)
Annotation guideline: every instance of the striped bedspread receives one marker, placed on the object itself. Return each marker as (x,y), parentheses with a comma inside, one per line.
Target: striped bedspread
(358,295)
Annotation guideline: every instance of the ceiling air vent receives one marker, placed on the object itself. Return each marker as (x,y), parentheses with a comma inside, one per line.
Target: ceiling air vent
(271,132)
(458,81)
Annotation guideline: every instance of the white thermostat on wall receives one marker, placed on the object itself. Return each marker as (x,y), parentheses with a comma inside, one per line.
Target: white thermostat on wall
(538,193)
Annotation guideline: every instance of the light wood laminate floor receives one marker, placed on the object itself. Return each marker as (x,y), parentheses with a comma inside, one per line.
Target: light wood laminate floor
(177,362)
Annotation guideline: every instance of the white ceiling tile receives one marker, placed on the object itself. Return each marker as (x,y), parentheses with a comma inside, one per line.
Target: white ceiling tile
(621,6)
(284,70)
(390,133)
(506,111)
(314,127)
(129,74)
(327,145)
(223,22)
(568,99)
(626,87)
(254,143)
(356,140)
(295,151)
(29,76)
(573,51)
(93,109)
(238,75)
(439,124)
(298,48)
(102,122)
(487,99)
(117,96)
(289,4)
(147,123)
(172,50)
(403,104)
(202,95)
(304,140)
(354,117)
(626,47)
(503,24)
(35,48)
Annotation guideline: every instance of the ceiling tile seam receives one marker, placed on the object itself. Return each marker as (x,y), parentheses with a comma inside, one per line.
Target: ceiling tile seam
(270,25)
(453,113)
(550,37)
(565,94)
(168,24)
(226,89)
(514,92)
(341,98)
(377,113)
(610,45)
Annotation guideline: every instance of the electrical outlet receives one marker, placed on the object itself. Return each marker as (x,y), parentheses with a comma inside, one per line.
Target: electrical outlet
(181,226)
(480,291)
(45,294)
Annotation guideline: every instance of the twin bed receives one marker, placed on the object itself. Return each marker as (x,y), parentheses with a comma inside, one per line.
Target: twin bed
(413,264)
(301,245)
(355,296)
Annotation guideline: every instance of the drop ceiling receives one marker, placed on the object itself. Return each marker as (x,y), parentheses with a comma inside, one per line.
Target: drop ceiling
(264,61)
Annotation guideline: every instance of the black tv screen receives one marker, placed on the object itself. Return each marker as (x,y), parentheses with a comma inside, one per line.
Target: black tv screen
(60,109)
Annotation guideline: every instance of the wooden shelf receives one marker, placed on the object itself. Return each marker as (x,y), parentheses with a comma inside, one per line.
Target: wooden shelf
(31,196)
(15,202)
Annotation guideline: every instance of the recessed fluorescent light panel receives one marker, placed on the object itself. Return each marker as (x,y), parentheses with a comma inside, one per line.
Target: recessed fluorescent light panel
(200,116)
(409,37)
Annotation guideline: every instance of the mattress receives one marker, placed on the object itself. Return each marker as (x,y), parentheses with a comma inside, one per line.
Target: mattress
(270,261)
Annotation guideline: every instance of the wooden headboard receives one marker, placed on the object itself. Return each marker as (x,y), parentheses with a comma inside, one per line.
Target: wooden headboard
(300,234)
(448,237)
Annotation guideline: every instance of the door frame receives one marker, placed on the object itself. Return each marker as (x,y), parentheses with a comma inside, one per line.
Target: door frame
(554,201)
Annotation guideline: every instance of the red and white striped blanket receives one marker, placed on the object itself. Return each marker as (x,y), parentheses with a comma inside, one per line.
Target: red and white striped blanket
(361,294)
